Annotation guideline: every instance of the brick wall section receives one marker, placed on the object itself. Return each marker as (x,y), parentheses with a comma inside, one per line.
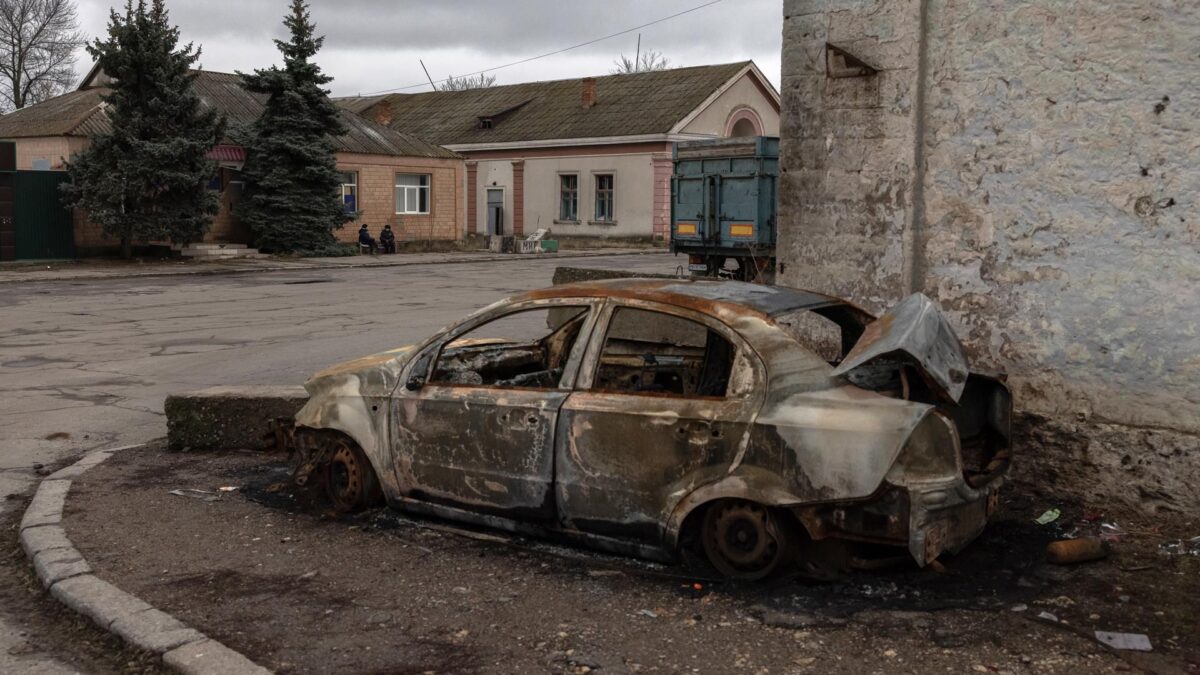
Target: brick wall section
(55,149)
(518,219)
(377,200)
(377,197)
(472,197)
(662,196)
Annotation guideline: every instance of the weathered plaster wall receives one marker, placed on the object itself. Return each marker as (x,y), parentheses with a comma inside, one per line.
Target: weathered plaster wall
(847,148)
(633,194)
(1032,165)
(743,94)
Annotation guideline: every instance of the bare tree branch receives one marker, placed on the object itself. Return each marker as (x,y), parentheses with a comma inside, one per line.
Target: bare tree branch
(38,40)
(649,60)
(479,81)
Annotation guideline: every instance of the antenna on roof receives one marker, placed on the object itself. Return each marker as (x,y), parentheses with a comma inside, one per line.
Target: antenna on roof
(431,84)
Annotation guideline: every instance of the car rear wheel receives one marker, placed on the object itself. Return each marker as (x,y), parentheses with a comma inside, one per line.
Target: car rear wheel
(350,481)
(747,541)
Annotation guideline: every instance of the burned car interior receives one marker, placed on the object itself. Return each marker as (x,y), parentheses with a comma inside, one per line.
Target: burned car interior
(508,353)
(653,352)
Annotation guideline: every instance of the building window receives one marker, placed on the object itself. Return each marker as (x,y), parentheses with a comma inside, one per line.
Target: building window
(412,193)
(350,192)
(568,200)
(604,197)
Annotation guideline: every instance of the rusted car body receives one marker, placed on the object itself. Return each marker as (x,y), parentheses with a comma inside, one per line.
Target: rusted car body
(654,414)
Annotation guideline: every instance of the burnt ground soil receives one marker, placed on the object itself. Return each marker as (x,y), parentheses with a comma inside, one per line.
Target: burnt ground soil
(302,591)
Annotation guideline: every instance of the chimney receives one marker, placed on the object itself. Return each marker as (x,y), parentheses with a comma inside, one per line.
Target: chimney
(383,113)
(589,92)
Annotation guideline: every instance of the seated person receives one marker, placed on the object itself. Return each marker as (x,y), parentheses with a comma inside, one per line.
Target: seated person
(365,238)
(387,239)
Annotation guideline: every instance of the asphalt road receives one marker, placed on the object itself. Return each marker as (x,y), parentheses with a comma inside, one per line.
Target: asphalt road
(86,365)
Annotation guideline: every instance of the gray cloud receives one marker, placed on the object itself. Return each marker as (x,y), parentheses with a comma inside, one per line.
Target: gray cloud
(373,44)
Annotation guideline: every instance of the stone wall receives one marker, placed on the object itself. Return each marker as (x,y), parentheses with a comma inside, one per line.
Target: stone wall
(1030,164)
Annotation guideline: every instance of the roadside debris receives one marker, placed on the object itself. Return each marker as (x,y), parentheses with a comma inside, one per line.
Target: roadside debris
(1048,517)
(1181,547)
(1071,551)
(227,488)
(202,495)
(1137,642)
(1047,616)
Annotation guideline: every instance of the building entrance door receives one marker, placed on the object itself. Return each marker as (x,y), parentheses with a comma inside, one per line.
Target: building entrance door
(495,211)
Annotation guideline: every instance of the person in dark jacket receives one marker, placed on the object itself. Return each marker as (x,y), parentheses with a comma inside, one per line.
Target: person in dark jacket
(365,238)
(387,239)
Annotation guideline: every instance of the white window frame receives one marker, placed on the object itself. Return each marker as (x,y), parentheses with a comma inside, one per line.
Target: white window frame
(354,173)
(612,200)
(560,217)
(412,192)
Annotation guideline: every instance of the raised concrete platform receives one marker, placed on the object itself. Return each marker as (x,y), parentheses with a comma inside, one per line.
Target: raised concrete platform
(222,418)
(217,251)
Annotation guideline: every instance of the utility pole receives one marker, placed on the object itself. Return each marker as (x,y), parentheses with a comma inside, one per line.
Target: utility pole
(431,84)
(637,55)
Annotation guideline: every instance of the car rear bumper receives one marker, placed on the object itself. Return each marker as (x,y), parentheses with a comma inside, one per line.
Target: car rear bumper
(944,518)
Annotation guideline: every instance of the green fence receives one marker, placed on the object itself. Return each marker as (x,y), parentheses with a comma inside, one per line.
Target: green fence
(43,225)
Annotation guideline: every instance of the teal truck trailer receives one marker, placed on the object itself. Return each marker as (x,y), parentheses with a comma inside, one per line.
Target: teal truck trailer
(723,205)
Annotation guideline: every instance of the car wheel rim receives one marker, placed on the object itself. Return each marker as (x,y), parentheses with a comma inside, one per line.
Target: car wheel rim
(741,540)
(345,478)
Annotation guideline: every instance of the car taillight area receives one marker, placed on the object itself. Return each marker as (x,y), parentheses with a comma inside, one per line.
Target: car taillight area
(983,418)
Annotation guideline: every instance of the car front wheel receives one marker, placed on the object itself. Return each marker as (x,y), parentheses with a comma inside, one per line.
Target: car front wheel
(747,541)
(350,481)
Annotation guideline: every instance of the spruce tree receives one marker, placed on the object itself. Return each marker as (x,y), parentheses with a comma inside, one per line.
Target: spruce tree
(291,200)
(147,178)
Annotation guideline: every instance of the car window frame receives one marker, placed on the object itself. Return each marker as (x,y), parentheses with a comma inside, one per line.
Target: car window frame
(433,347)
(744,354)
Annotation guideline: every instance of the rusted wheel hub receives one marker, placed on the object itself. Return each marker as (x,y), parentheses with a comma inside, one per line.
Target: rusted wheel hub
(348,480)
(743,541)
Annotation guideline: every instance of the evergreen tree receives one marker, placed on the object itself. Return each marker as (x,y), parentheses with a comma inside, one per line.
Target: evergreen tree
(291,200)
(147,178)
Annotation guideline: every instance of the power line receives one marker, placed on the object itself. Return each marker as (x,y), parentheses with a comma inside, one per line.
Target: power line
(557,51)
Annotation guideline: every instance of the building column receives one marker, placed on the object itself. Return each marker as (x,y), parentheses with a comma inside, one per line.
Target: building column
(661,219)
(472,197)
(518,219)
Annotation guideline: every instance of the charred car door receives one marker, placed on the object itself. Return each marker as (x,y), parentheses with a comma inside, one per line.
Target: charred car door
(475,419)
(664,404)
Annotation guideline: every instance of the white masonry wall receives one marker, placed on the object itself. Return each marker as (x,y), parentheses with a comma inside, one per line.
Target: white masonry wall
(1035,167)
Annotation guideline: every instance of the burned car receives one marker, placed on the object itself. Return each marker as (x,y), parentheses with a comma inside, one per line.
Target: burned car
(658,417)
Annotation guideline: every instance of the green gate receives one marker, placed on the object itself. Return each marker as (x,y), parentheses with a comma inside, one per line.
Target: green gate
(44,228)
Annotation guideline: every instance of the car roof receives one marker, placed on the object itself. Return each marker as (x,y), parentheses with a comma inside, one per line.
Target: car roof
(700,295)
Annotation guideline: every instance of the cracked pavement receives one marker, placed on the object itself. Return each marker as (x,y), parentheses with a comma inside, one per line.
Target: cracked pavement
(86,365)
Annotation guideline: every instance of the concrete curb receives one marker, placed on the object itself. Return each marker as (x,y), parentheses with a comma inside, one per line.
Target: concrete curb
(68,577)
(300,266)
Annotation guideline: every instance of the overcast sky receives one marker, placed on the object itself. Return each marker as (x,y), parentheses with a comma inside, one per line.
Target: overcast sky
(373,45)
